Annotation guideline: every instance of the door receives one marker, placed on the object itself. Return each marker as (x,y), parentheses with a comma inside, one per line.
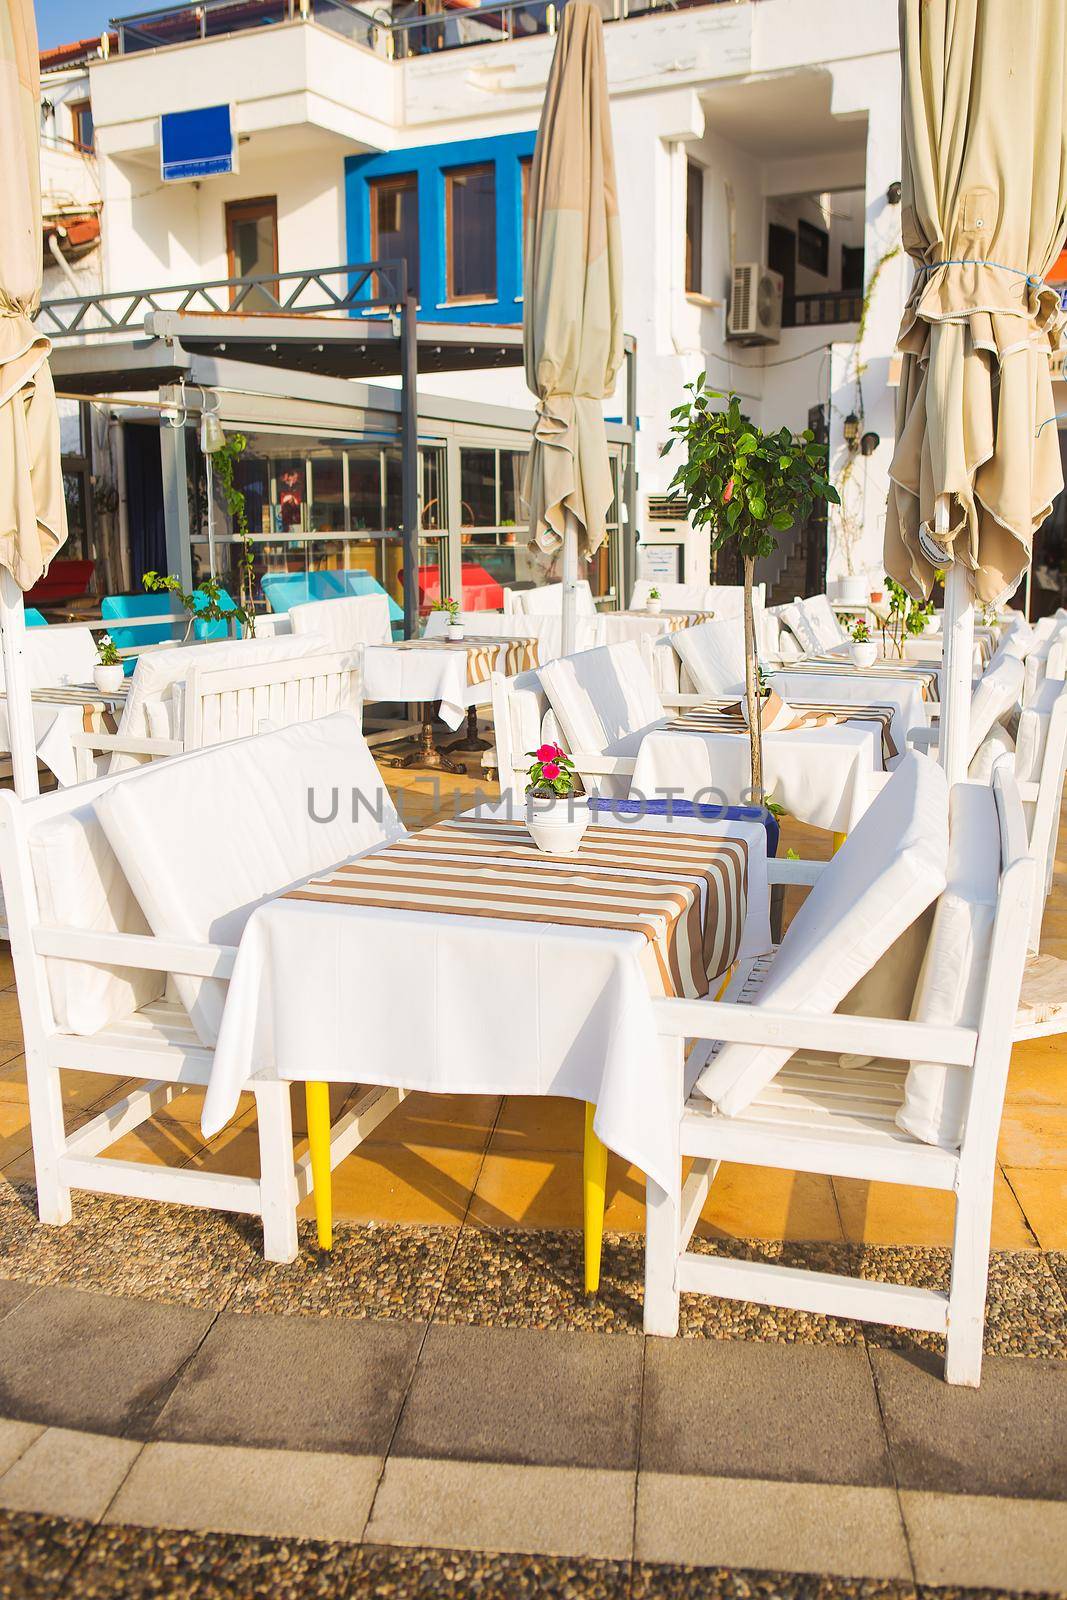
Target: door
(782,257)
(252,249)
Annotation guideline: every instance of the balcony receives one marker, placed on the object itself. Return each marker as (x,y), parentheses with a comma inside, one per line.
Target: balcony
(820,310)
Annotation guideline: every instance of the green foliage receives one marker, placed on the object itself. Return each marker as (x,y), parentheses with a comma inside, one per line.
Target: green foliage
(107,652)
(653,594)
(451,606)
(907,618)
(744,485)
(860,631)
(552,772)
(203,604)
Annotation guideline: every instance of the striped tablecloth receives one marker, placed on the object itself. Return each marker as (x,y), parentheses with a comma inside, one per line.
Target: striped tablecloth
(99,711)
(810,714)
(686,895)
(928,677)
(484,655)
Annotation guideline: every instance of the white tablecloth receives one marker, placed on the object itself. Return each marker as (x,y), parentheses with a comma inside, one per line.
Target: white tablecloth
(52,728)
(843,688)
(391,673)
(822,776)
(461,1005)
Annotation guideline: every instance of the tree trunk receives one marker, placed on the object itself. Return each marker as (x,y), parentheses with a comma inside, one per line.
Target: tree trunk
(751,689)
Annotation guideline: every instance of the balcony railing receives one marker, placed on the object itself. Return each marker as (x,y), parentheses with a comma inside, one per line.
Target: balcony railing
(408,28)
(816,310)
(351,290)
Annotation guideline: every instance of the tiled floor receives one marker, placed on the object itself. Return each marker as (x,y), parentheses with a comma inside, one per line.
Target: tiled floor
(450,1160)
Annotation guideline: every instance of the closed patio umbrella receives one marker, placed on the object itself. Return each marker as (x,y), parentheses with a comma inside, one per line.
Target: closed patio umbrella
(984,200)
(33,521)
(572,320)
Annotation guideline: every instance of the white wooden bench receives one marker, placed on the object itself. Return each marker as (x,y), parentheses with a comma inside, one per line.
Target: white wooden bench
(814,1114)
(92,977)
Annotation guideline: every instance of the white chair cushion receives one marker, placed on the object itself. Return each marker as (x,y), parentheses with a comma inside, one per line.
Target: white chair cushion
(998,742)
(205,838)
(547,600)
(80,885)
(996,692)
(824,622)
(59,656)
(674,596)
(713,654)
(890,868)
(604,699)
(158,671)
(800,626)
(345,622)
(955,967)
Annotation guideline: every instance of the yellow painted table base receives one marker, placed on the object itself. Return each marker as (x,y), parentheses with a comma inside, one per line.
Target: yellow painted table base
(317,1096)
(594,1189)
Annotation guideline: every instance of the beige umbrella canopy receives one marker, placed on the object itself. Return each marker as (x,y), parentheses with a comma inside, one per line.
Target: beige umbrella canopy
(33,520)
(573,296)
(984,201)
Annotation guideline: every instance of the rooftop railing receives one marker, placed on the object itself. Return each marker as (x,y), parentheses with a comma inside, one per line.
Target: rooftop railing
(407,28)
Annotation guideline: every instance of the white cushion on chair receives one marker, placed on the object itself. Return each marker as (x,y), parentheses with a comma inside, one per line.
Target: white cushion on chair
(997,742)
(824,622)
(955,966)
(674,596)
(800,626)
(149,708)
(80,885)
(997,690)
(205,838)
(713,653)
(345,622)
(890,868)
(604,700)
(58,656)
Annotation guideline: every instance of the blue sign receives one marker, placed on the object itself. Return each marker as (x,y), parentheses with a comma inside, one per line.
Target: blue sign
(197,144)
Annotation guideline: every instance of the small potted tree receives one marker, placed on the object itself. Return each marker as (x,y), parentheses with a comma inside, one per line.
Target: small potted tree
(455,626)
(746,486)
(108,674)
(556,817)
(654,603)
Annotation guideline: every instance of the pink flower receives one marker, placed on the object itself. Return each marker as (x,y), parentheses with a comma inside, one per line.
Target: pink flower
(549,752)
(550,770)
(728,493)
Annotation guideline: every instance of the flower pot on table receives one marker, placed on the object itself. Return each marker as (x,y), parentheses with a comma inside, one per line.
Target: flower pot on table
(557,823)
(109,680)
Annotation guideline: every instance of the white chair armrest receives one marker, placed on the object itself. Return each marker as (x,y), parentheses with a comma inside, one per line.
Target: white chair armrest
(782,870)
(136,950)
(923,739)
(602,766)
(710,701)
(796,1030)
(122,742)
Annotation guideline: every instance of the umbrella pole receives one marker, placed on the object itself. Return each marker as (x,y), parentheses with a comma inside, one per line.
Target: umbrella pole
(957,660)
(570,581)
(17,688)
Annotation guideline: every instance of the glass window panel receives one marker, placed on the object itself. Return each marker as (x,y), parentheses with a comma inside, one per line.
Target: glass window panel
(477,488)
(433,488)
(252,247)
(394,212)
(328,494)
(292,494)
(365,487)
(472,234)
(512,468)
(394,495)
(694,229)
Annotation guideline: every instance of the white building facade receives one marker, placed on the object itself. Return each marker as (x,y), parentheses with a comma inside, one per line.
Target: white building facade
(762,133)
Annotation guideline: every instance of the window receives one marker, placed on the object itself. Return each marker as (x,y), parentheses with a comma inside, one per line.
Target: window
(252,248)
(470,215)
(694,229)
(394,222)
(477,488)
(81,124)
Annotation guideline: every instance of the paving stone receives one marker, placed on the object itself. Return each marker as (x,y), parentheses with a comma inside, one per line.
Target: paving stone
(524,1395)
(15,1440)
(750,1523)
(278,1494)
(481,1505)
(160,1564)
(473,1575)
(753,1410)
(982,1541)
(36,1554)
(66,1473)
(294,1383)
(115,1357)
(1007,1437)
(12,1293)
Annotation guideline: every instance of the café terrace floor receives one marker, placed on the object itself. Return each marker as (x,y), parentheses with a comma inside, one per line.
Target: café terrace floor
(437,1410)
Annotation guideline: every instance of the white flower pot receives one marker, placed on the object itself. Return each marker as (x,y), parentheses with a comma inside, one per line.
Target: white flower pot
(557,825)
(932,625)
(455,630)
(864,652)
(109,680)
(852,590)
(653,607)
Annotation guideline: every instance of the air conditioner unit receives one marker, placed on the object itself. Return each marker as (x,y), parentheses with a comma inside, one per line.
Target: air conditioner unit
(755,305)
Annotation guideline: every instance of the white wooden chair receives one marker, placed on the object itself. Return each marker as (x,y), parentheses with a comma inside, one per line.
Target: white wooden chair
(674,596)
(547,600)
(824,622)
(92,976)
(813,1114)
(345,623)
(215,704)
(994,698)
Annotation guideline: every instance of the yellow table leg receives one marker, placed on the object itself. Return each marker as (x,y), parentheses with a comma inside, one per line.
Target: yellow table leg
(839,839)
(318,1107)
(594,1183)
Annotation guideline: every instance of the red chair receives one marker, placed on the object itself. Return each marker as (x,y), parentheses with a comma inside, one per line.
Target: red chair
(64,580)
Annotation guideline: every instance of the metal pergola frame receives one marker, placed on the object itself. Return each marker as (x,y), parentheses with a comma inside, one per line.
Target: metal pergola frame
(316,350)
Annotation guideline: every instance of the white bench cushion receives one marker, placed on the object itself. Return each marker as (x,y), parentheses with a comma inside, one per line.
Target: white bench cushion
(891,867)
(955,967)
(205,838)
(345,622)
(80,885)
(713,653)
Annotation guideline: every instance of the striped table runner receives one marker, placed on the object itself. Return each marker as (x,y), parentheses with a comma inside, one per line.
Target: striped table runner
(810,714)
(928,677)
(484,655)
(98,710)
(687,894)
(675,620)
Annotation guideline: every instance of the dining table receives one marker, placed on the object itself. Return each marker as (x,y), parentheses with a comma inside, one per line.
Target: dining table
(463,960)
(60,710)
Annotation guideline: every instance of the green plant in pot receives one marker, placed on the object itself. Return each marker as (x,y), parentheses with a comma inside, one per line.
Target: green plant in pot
(907,618)
(654,603)
(746,487)
(455,623)
(556,815)
(863,650)
(108,674)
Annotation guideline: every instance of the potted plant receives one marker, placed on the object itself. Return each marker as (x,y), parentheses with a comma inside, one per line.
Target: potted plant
(455,626)
(863,650)
(108,674)
(746,486)
(654,604)
(907,618)
(556,817)
(204,603)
